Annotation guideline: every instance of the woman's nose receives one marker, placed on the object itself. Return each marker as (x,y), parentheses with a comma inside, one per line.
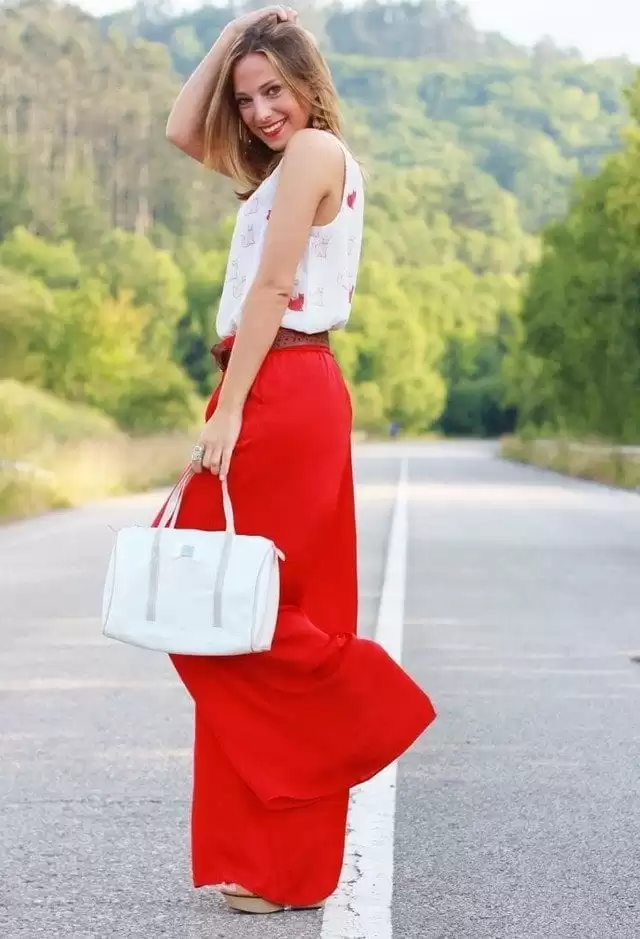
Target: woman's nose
(262,110)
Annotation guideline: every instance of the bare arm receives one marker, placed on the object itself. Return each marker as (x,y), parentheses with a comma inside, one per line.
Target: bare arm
(185,126)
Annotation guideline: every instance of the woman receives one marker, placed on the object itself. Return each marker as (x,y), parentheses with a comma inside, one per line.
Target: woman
(280,737)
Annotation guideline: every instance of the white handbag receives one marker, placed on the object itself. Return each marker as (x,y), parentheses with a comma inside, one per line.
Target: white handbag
(189,591)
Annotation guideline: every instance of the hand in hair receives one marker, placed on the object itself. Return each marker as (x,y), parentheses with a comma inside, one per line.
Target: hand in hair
(185,125)
(312,37)
(281,14)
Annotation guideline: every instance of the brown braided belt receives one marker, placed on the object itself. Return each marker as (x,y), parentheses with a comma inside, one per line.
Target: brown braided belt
(284,337)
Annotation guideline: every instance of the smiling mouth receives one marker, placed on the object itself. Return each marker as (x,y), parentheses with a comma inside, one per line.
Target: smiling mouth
(273,129)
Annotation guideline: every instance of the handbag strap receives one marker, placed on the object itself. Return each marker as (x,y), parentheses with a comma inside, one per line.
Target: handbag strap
(229,520)
(171,509)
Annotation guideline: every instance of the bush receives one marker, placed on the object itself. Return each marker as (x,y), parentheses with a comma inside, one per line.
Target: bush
(159,398)
(368,407)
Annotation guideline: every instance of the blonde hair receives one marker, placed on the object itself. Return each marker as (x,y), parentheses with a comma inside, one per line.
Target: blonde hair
(228,144)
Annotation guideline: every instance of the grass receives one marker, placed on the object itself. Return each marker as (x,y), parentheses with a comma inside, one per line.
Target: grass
(596,461)
(54,454)
(93,469)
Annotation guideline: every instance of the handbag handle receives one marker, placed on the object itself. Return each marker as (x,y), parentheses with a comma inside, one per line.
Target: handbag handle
(171,509)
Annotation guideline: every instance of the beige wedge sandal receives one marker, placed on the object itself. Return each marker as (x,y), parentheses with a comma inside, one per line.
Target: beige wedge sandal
(250,903)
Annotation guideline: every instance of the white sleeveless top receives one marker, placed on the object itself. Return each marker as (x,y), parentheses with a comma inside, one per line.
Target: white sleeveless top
(326,276)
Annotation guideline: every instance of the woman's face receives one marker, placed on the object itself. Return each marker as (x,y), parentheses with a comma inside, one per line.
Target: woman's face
(266,104)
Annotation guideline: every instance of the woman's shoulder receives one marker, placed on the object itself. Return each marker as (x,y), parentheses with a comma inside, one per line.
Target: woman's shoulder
(311,148)
(311,143)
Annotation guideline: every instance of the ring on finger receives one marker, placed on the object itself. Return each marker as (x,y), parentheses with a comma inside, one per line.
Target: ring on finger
(197,453)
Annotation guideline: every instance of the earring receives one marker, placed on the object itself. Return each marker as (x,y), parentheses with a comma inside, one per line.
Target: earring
(246,138)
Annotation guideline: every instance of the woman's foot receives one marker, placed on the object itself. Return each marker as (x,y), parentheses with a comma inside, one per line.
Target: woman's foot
(243,901)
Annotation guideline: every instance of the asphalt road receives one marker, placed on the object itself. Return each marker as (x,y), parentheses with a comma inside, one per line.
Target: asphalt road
(517,812)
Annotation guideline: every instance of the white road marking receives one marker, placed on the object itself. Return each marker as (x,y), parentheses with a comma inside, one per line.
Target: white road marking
(361,907)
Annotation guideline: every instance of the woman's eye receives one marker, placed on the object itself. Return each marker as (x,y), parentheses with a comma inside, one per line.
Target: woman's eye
(274,90)
(242,102)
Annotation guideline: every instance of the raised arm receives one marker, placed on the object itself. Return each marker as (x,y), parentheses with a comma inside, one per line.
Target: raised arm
(185,126)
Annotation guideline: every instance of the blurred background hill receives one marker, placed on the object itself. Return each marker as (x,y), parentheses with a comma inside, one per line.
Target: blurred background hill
(498,286)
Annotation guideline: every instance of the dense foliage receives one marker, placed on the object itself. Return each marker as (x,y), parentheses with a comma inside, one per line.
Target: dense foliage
(575,366)
(422,87)
(113,245)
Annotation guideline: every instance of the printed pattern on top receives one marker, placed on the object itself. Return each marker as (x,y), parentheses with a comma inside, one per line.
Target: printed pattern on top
(327,273)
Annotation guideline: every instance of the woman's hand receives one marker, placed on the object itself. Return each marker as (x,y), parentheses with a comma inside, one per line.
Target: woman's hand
(281,13)
(219,437)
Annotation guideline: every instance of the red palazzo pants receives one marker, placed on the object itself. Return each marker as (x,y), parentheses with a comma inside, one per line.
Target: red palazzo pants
(281,736)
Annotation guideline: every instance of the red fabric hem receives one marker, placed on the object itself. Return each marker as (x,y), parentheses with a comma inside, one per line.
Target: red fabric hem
(257,889)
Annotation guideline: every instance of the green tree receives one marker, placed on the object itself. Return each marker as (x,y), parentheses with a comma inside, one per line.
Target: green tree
(56,265)
(132,267)
(575,364)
